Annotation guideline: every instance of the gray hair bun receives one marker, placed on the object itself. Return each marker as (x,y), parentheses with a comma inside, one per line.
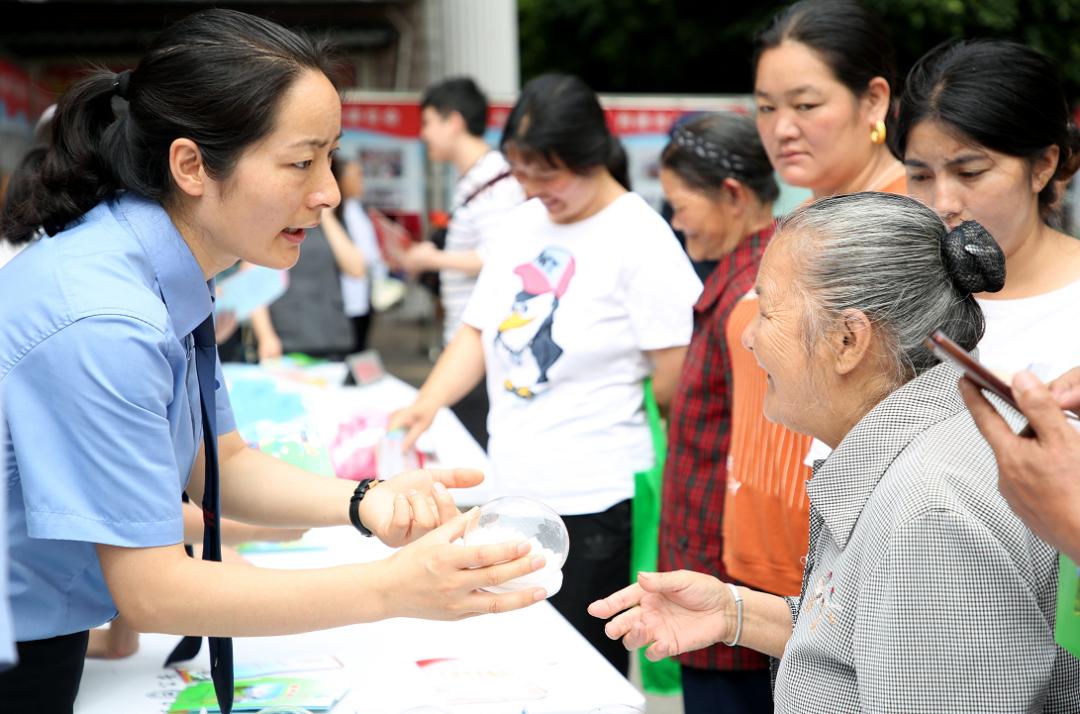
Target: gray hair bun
(973,259)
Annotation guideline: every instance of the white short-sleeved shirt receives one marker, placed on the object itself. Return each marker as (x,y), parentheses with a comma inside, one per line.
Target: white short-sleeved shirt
(1037,333)
(356,292)
(101,401)
(475,226)
(566,313)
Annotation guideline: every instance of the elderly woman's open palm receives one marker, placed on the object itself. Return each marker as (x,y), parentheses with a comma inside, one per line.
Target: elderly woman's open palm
(675,612)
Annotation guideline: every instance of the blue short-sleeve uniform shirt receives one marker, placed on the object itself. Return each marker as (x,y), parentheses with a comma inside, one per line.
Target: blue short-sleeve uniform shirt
(7,634)
(101,400)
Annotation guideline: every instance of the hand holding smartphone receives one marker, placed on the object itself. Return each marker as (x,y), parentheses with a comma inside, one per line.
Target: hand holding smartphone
(948,351)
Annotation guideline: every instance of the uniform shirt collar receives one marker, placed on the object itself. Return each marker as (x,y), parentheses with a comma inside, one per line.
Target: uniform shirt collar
(186,293)
(842,483)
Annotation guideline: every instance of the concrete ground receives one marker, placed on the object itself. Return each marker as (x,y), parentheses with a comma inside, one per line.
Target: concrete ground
(408,342)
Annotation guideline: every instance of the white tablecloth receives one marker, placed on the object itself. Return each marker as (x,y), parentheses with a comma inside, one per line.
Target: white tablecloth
(531,654)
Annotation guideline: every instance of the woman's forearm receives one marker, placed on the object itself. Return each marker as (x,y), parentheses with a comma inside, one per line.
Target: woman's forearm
(188,596)
(262,324)
(349,258)
(458,371)
(468,262)
(766,623)
(160,589)
(667,369)
(256,488)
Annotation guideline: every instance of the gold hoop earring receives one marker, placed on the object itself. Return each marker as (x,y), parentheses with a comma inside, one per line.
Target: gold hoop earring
(877,134)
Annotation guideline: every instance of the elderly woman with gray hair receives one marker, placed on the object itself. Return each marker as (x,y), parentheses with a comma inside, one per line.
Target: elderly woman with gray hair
(922,590)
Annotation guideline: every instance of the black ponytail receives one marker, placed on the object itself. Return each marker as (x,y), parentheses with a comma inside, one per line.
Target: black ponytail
(216,77)
(62,179)
(617,163)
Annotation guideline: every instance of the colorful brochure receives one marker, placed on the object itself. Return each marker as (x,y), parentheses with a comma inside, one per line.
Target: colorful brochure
(300,450)
(316,695)
(253,670)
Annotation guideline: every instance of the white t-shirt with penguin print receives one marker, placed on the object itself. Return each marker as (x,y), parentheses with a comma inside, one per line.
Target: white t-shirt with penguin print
(567,313)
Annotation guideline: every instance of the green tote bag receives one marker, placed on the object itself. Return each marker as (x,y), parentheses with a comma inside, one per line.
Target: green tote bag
(663,677)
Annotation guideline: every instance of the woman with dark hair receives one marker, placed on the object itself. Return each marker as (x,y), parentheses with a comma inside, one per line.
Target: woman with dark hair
(590,297)
(922,592)
(215,148)
(823,76)
(720,185)
(986,135)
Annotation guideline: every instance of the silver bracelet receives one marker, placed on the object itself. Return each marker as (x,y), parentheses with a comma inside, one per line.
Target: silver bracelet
(738,614)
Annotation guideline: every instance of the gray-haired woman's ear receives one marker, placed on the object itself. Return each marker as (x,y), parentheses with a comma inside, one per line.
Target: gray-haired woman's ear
(973,259)
(893,259)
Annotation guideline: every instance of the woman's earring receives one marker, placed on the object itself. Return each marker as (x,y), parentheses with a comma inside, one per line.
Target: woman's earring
(877,134)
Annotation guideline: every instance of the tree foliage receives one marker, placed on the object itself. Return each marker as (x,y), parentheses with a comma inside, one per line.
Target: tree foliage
(690,46)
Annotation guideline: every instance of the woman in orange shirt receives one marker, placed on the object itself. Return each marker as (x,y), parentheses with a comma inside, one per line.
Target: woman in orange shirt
(822,81)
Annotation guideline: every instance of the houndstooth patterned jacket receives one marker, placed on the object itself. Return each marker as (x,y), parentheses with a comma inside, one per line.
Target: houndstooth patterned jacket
(922,592)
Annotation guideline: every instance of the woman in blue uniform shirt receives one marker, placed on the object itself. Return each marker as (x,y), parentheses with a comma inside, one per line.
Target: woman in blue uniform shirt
(215,148)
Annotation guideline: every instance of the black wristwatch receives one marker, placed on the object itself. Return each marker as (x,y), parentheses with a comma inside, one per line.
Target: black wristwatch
(354,504)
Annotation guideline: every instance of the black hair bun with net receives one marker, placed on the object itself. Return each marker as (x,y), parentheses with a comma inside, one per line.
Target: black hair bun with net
(973,259)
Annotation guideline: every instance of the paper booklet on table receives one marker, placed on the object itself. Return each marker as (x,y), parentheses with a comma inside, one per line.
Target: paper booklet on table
(451,681)
(313,694)
(301,450)
(251,670)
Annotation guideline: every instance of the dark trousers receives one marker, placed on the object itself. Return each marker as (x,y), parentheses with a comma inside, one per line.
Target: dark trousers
(472,410)
(706,691)
(598,565)
(46,679)
(361,325)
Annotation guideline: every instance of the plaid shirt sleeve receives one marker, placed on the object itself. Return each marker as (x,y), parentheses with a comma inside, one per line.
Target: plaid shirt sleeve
(699,431)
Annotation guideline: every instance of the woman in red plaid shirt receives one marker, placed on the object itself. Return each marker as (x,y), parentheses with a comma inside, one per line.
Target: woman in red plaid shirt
(718,179)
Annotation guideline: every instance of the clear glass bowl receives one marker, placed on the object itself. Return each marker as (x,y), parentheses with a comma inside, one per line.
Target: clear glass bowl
(513,518)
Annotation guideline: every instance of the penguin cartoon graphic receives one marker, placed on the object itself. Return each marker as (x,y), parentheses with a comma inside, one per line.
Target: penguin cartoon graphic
(524,343)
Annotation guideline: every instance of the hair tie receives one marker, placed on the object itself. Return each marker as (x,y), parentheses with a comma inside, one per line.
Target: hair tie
(709,151)
(120,85)
(973,259)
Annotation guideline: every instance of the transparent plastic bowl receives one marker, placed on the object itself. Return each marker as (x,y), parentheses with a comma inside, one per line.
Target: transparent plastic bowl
(513,518)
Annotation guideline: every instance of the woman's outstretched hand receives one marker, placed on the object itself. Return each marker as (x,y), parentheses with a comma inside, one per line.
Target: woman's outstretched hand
(670,613)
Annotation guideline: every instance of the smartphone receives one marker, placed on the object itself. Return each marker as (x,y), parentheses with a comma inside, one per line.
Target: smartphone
(947,350)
